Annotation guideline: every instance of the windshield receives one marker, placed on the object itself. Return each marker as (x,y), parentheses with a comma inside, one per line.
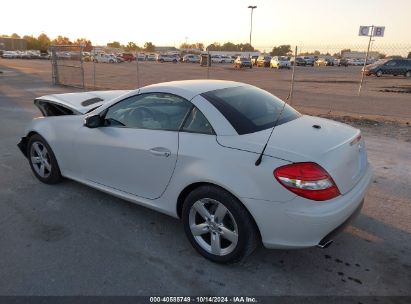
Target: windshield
(282,58)
(250,109)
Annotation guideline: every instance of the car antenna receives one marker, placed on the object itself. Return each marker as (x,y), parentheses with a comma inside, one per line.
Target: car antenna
(258,161)
(290,94)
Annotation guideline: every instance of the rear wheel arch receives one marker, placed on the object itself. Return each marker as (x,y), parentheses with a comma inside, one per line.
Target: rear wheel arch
(190,188)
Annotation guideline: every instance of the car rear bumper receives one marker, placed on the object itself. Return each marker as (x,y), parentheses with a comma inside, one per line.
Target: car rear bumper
(304,223)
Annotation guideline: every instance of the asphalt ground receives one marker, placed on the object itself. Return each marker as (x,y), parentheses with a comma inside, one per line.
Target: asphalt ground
(69,239)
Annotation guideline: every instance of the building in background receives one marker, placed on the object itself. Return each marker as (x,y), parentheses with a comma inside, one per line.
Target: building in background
(13,44)
(166,50)
(360,55)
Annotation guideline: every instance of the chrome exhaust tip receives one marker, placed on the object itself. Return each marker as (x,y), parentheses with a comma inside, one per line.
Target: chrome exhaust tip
(325,244)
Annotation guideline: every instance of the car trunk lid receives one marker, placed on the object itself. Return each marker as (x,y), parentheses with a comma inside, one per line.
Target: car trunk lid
(337,147)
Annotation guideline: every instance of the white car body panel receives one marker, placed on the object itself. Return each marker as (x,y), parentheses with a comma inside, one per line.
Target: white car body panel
(127,159)
(119,161)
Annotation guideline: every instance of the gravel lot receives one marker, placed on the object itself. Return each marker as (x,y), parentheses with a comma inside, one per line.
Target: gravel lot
(69,239)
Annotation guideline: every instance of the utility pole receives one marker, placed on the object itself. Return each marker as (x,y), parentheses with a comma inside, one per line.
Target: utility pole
(252,7)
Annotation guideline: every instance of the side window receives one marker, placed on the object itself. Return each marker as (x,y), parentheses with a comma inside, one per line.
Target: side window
(156,111)
(197,123)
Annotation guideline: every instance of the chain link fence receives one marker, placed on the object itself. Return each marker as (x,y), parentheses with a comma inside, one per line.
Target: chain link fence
(326,78)
(67,65)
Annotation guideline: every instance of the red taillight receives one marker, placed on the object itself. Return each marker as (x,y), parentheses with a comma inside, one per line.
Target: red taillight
(308,180)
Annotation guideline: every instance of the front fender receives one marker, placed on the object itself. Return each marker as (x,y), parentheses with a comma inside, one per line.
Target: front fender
(59,132)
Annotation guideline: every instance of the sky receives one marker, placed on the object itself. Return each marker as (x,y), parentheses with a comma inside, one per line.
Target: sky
(170,23)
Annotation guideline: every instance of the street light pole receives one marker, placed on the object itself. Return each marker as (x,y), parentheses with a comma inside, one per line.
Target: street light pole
(251,25)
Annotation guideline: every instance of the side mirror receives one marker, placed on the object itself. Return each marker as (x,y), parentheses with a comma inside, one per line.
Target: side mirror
(93,121)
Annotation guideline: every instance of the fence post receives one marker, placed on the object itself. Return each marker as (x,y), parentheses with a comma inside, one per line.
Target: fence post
(94,68)
(81,65)
(138,74)
(290,95)
(54,72)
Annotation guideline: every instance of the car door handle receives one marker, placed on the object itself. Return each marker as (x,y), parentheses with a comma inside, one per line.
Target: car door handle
(159,151)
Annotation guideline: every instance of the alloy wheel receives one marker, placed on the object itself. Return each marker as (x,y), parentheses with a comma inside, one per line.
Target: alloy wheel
(40,159)
(213,227)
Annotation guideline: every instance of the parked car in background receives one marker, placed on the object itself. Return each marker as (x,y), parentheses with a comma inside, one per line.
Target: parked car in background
(263,61)
(226,59)
(119,58)
(141,57)
(86,57)
(243,62)
(46,56)
(300,61)
(391,67)
(309,60)
(191,58)
(254,59)
(324,61)
(151,57)
(343,62)
(280,62)
(105,58)
(216,59)
(9,55)
(167,58)
(128,57)
(356,61)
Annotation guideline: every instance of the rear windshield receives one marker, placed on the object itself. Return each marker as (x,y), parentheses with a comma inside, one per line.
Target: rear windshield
(250,109)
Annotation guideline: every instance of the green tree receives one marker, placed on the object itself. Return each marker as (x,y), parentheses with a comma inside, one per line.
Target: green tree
(114,44)
(245,47)
(230,47)
(185,46)
(14,35)
(32,43)
(43,42)
(88,46)
(409,55)
(197,45)
(281,50)
(132,46)
(61,40)
(214,47)
(149,47)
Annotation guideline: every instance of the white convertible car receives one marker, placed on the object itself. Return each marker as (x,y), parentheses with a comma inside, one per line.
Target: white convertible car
(238,165)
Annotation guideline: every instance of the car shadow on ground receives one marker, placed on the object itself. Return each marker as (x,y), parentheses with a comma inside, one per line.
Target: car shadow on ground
(362,259)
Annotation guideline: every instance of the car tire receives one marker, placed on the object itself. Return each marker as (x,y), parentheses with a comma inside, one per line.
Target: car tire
(378,73)
(42,161)
(407,74)
(224,240)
